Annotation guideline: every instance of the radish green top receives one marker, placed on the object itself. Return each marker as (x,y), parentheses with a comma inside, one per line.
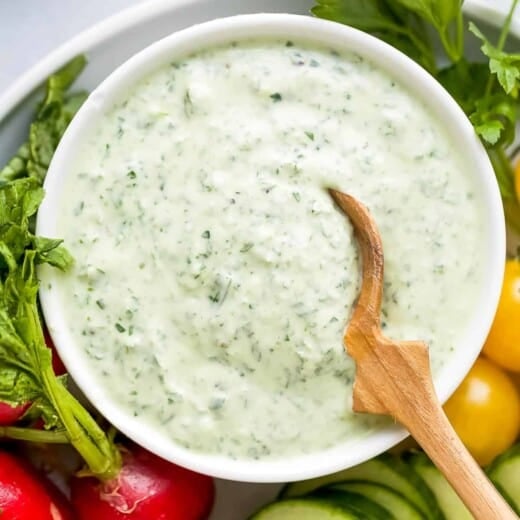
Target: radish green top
(214,277)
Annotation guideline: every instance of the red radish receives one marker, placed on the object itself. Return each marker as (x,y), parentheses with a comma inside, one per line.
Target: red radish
(147,488)
(27,495)
(57,363)
(9,414)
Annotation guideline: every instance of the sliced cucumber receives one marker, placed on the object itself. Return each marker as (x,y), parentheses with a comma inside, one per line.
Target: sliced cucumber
(396,504)
(306,509)
(504,472)
(387,470)
(449,502)
(365,507)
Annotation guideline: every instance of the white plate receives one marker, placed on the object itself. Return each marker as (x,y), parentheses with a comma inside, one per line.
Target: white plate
(108,44)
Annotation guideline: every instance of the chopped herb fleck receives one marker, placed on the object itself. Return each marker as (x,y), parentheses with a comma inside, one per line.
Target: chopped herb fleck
(120,328)
(206,234)
(246,247)
(131,174)
(276,97)
(188,104)
(310,135)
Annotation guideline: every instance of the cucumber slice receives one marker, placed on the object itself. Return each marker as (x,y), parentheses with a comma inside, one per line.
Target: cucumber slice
(365,507)
(387,470)
(449,502)
(504,472)
(386,497)
(306,509)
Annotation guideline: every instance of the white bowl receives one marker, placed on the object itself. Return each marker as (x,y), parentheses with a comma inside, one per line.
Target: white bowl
(313,30)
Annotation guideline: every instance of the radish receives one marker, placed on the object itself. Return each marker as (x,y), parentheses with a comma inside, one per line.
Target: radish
(146,488)
(57,363)
(9,414)
(27,495)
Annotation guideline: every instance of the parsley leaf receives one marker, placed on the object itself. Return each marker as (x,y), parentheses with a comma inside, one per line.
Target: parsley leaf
(505,65)
(494,119)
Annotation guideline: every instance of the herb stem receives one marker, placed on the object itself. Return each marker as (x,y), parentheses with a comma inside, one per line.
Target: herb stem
(99,452)
(507,24)
(503,171)
(34,435)
(460,33)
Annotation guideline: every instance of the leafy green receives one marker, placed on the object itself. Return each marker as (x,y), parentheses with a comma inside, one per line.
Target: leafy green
(384,19)
(505,65)
(17,387)
(495,118)
(52,118)
(26,373)
(17,166)
(486,91)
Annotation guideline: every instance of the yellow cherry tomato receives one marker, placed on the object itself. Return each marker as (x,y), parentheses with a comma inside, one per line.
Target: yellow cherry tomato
(503,343)
(485,411)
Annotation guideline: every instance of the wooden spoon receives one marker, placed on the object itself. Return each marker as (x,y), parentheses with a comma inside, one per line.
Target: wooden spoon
(394,378)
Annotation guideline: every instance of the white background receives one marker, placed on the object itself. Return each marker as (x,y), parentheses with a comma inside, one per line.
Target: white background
(30,29)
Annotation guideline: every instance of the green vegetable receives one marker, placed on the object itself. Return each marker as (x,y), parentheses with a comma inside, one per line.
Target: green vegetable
(26,373)
(504,472)
(449,502)
(487,92)
(385,470)
(306,509)
(390,487)
(52,118)
(396,504)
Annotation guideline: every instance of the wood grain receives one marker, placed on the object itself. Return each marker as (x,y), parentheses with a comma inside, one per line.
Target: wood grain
(394,378)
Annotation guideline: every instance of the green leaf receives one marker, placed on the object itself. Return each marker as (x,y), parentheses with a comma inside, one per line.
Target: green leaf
(73,103)
(440,13)
(494,119)
(16,386)
(53,116)
(43,408)
(59,82)
(17,166)
(18,201)
(506,66)
(49,251)
(466,82)
(385,19)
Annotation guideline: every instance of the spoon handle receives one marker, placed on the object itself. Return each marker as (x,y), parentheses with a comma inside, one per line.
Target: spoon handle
(404,390)
(394,378)
(447,452)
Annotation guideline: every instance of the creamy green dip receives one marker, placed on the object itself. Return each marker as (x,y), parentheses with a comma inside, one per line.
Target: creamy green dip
(214,277)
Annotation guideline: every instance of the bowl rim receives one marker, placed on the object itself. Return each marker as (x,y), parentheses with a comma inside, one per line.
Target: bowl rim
(288,26)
